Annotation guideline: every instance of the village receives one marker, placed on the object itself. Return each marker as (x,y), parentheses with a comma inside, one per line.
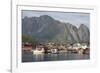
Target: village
(53,48)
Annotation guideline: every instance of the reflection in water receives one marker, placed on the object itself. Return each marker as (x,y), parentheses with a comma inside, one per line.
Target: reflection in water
(38,57)
(53,57)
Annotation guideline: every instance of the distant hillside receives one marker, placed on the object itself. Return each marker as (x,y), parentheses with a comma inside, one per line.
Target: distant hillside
(47,29)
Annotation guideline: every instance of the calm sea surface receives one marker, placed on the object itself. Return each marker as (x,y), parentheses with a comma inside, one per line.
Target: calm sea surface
(29,57)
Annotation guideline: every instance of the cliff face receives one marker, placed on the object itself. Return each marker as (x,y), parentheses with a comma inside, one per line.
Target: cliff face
(47,29)
(84,34)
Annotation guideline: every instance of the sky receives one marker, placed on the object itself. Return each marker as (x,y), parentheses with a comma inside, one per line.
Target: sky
(67,17)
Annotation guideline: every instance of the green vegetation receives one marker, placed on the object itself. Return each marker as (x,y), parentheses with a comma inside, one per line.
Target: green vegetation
(29,39)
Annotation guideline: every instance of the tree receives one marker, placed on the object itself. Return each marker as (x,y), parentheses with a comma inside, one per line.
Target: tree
(29,39)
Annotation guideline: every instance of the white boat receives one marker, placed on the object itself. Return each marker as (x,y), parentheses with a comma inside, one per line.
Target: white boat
(54,51)
(38,51)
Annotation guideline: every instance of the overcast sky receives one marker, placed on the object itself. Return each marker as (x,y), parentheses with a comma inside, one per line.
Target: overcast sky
(73,18)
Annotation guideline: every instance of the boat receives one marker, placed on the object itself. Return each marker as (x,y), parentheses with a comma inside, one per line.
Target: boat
(54,51)
(38,51)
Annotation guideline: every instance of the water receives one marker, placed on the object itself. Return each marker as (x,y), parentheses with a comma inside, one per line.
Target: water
(29,57)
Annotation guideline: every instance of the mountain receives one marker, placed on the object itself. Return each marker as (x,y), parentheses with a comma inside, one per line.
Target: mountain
(84,33)
(47,29)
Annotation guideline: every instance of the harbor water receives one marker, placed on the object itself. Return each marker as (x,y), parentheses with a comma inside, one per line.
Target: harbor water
(30,57)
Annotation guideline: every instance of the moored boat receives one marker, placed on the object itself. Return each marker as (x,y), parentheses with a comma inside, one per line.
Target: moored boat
(39,50)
